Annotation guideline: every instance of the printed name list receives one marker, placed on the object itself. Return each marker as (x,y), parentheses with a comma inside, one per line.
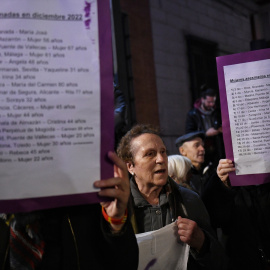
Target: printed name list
(49,99)
(248,95)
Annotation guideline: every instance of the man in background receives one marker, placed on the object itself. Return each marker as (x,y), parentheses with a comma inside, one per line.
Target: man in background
(205,117)
(202,177)
(191,145)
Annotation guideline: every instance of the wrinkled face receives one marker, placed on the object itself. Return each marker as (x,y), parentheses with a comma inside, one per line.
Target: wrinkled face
(194,150)
(208,103)
(150,161)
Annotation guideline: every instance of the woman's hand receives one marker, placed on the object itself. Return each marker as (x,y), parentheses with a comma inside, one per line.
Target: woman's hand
(190,233)
(225,166)
(117,188)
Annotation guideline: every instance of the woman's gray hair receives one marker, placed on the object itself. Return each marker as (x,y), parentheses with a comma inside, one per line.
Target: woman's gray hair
(178,167)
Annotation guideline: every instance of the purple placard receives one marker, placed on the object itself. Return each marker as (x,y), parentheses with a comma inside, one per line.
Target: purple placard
(248,179)
(107,128)
(106,85)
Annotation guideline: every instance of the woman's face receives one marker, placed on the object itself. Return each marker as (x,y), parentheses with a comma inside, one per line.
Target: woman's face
(150,161)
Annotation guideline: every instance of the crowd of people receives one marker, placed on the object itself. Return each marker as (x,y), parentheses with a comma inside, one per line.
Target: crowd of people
(226,227)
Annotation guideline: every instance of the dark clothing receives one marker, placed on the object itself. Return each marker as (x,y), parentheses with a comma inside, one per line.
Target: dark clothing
(247,224)
(211,190)
(79,238)
(249,229)
(198,180)
(178,201)
(4,239)
(197,120)
(119,115)
(216,199)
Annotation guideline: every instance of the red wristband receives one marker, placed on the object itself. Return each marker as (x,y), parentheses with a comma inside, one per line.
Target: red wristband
(114,221)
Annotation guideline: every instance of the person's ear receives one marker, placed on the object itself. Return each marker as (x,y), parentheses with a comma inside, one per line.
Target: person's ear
(130,167)
(182,151)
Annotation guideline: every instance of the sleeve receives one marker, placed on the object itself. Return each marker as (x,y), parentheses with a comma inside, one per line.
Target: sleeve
(122,246)
(219,202)
(192,122)
(4,236)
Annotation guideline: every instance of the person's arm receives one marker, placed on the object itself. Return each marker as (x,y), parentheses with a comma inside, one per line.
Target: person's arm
(120,239)
(117,188)
(207,251)
(193,122)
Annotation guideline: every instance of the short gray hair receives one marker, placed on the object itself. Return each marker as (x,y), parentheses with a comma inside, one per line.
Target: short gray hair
(178,167)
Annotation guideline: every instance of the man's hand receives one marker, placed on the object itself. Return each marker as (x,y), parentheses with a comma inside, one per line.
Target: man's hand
(117,188)
(225,166)
(190,233)
(212,132)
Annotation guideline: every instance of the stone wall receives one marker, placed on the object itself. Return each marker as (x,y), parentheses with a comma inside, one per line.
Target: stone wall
(225,22)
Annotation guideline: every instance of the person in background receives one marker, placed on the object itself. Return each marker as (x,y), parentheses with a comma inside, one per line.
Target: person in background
(191,146)
(247,221)
(158,201)
(95,236)
(179,169)
(201,180)
(206,117)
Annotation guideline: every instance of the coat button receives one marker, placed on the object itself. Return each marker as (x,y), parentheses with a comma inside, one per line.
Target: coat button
(158,212)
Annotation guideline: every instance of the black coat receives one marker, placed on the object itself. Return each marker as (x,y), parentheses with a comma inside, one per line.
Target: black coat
(245,217)
(249,227)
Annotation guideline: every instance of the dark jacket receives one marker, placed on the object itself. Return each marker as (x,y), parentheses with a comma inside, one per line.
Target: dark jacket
(247,225)
(178,201)
(4,240)
(199,180)
(212,192)
(194,121)
(79,238)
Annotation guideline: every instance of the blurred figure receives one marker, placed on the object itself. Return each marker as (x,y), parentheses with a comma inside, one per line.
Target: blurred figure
(179,169)
(247,221)
(205,117)
(119,114)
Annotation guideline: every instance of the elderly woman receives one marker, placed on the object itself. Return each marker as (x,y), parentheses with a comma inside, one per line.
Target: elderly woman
(158,200)
(179,169)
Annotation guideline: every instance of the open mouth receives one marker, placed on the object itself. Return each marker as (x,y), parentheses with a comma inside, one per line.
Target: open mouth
(160,171)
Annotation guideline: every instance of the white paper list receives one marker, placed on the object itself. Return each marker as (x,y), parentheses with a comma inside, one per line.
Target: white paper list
(49,98)
(248,95)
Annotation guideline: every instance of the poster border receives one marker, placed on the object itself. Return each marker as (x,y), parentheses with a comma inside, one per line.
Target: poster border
(251,56)
(106,128)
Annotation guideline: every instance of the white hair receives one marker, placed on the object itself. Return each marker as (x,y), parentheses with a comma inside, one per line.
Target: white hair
(178,167)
